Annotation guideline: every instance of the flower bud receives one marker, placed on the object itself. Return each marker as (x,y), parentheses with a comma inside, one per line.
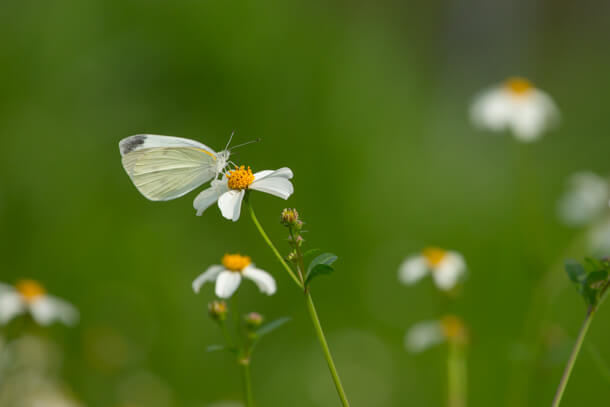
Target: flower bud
(218,310)
(253,320)
(290,217)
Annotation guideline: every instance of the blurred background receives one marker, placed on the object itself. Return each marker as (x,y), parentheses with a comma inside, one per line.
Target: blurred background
(367,102)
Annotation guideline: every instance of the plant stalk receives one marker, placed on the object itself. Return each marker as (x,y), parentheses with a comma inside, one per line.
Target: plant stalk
(457,375)
(573,356)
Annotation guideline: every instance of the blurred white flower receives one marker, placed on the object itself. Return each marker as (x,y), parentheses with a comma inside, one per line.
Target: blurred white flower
(585,199)
(446,267)
(598,238)
(228,276)
(30,296)
(426,334)
(515,105)
(230,191)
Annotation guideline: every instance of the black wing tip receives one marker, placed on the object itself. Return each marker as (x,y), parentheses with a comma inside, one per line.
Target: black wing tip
(127,145)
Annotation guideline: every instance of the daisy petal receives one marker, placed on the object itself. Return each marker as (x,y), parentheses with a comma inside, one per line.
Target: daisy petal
(283,172)
(209,275)
(492,109)
(48,309)
(226,283)
(208,196)
(448,272)
(424,335)
(11,305)
(261,278)
(230,204)
(412,269)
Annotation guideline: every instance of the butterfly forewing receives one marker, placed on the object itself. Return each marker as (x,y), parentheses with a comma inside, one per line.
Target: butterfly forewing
(164,168)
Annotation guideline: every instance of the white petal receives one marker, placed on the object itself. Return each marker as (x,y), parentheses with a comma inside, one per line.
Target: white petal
(47,309)
(283,172)
(209,275)
(226,283)
(230,204)
(11,305)
(448,272)
(274,182)
(492,109)
(412,269)
(208,196)
(585,199)
(261,278)
(533,114)
(424,335)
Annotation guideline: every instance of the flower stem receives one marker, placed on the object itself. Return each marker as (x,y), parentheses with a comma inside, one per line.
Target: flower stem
(329,358)
(248,398)
(310,306)
(270,243)
(457,375)
(575,351)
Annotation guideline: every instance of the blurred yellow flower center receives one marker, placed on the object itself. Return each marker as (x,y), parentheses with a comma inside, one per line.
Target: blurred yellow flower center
(236,262)
(434,255)
(518,86)
(240,178)
(453,328)
(30,290)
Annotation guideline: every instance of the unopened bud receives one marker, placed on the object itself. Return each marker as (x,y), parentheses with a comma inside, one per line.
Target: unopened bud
(254,319)
(290,217)
(218,310)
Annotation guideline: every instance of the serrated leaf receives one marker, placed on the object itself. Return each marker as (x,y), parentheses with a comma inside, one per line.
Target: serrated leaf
(318,270)
(271,326)
(324,258)
(576,272)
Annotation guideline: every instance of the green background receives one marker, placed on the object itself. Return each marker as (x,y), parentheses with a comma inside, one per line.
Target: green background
(367,103)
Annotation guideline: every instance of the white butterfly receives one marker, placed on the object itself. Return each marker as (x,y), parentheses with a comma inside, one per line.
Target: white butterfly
(164,168)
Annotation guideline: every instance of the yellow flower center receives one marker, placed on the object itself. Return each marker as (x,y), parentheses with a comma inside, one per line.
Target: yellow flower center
(30,290)
(236,262)
(434,256)
(453,328)
(240,178)
(518,86)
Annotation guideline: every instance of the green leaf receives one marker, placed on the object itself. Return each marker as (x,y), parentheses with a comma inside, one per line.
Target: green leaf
(576,272)
(596,279)
(321,265)
(271,326)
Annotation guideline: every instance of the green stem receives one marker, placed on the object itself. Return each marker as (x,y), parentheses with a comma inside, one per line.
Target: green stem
(248,398)
(575,351)
(270,243)
(329,358)
(457,375)
(310,307)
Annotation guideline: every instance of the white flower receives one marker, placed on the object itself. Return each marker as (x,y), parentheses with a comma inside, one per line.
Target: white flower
(228,276)
(231,189)
(585,199)
(446,267)
(515,105)
(426,334)
(30,296)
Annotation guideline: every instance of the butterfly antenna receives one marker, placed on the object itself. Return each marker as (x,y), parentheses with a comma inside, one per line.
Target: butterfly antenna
(230,138)
(246,143)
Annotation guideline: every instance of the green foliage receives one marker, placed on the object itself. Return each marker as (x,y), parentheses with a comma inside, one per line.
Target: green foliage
(321,265)
(271,326)
(591,279)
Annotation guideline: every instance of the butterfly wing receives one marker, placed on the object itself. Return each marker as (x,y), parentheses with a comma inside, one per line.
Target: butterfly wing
(164,168)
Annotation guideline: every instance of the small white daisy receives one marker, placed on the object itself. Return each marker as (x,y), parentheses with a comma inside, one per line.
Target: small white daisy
(30,296)
(231,189)
(426,334)
(228,276)
(446,267)
(585,199)
(515,105)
